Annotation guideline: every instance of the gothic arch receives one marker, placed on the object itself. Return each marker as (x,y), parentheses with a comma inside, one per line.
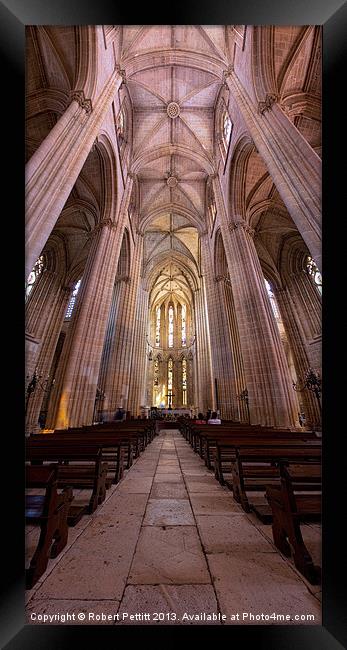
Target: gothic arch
(220,260)
(263,68)
(184,58)
(124,260)
(109,177)
(238,167)
(174,208)
(169,149)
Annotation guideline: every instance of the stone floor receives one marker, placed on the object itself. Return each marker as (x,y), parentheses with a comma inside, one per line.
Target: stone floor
(170,546)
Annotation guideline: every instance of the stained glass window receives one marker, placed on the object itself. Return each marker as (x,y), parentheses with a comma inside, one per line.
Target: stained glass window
(184,325)
(121,124)
(171,326)
(38,268)
(314,273)
(72,300)
(184,382)
(227,126)
(157,328)
(156,373)
(272,301)
(169,375)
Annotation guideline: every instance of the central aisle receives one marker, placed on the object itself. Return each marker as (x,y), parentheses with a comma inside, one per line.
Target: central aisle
(169,538)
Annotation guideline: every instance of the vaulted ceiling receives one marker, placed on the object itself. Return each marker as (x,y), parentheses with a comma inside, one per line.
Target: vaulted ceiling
(173,133)
(173,81)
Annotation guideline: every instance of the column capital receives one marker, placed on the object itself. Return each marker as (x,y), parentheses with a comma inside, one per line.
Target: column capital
(240,223)
(122,73)
(222,278)
(266,105)
(80,98)
(122,278)
(226,73)
(104,223)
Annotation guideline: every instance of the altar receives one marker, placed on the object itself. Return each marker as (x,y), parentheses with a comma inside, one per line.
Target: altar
(175,412)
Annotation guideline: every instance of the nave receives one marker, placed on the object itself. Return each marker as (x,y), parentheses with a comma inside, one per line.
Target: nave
(169,539)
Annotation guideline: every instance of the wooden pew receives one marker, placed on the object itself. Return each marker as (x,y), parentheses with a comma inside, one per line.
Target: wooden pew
(112,446)
(50,511)
(290,507)
(225,448)
(258,467)
(78,467)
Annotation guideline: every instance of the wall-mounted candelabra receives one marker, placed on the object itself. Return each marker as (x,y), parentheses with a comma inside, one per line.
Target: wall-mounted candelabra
(36,382)
(312,382)
(244,398)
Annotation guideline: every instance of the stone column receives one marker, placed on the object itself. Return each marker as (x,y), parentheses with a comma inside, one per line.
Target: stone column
(118,373)
(85,340)
(239,381)
(292,163)
(38,309)
(53,169)
(301,359)
(203,379)
(47,349)
(269,387)
(137,392)
(222,363)
(307,304)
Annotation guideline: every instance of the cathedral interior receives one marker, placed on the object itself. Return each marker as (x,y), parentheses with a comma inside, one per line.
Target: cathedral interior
(173,231)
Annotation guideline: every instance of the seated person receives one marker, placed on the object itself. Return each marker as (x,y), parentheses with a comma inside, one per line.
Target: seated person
(214,419)
(200,419)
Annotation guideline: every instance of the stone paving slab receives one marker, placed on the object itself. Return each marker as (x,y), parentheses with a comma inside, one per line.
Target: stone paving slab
(141,485)
(167,478)
(168,512)
(169,555)
(168,491)
(174,602)
(97,565)
(231,533)
(261,583)
(205,504)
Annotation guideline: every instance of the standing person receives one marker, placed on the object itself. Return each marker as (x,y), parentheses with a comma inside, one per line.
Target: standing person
(208,414)
(214,419)
(119,413)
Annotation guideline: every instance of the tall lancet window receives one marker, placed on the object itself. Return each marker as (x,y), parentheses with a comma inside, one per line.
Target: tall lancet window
(38,268)
(273,301)
(171,326)
(72,300)
(156,373)
(313,271)
(184,326)
(157,327)
(227,128)
(184,382)
(169,375)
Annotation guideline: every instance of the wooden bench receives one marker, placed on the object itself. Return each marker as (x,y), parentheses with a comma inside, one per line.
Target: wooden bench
(291,506)
(78,467)
(112,447)
(50,511)
(256,468)
(225,449)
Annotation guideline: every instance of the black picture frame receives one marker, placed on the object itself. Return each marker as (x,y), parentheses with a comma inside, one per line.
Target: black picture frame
(14,15)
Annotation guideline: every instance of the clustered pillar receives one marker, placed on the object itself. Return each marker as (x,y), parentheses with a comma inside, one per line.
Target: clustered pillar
(53,169)
(292,163)
(266,370)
